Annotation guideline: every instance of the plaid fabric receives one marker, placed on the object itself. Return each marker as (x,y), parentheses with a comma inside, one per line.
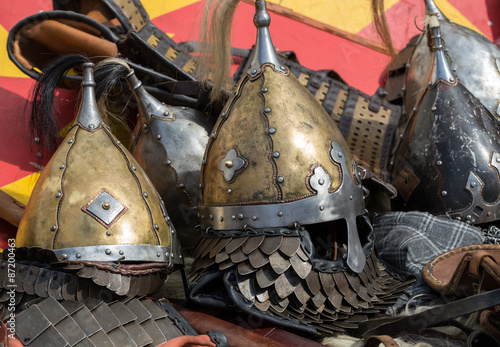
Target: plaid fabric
(406,241)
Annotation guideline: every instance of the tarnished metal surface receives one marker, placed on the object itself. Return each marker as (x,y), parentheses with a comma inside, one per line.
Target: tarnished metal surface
(93,193)
(169,143)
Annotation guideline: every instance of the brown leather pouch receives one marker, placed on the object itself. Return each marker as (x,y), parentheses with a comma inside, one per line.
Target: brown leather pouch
(465,270)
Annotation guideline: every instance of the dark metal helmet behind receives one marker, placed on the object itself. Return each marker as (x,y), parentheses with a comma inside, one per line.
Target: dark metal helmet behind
(449,158)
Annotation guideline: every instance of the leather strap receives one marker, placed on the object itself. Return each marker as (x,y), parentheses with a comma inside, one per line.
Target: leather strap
(395,326)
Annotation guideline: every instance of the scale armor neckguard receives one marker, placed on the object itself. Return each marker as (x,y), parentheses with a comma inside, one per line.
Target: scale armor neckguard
(169,143)
(279,189)
(94,205)
(449,158)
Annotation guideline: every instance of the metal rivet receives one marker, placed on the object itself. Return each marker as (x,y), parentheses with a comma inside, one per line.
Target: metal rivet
(63,166)
(458,218)
(145,195)
(203,162)
(120,252)
(70,141)
(106,205)
(145,126)
(321,181)
(221,219)
(430,83)
(267,110)
(118,142)
(498,159)
(167,254)
(488,214)
(340,155)
(454,69)
(211,217)
(169,161)
(36,139)
(78,255)
(91,126)
(240,216)
(264,90)
(439,162)
(444,193)
(158,254)
(223,114)
(158,137)
(280,179)
(181,185)
(213,135)
(166,113)
(473,184)
(64,256)
(53,228)
(282,68)
(134,168)
(452,79)
(469,217)
(167,219)
(108,233)
(157,227)
(107,251)
(350,197)
(253,72)
(280,214)
(229,190)
(233,217)
(254,218)
(321,208)
(434,108)
(39,155)
(229,164)
(180,256)
(276,154)
(200,185)
(58,194)
(272,131)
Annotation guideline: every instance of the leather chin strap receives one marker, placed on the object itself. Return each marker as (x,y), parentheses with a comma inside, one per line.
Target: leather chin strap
(395,326)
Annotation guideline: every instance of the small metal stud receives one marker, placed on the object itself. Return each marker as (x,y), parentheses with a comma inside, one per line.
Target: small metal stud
(267,110)
(468,217)
(211,217)
(134,168)
(39,155)
(264,90)
(53,228)
(229,190)
(452,79)
(434,108)
(63,166)
(167,254)
(169,161)
(280,179)
(106,206)
(340,155)
(233,217)
(158,254)
(213,135)
(121,252)
(158,137)
(64,256)
(276,154)
(145,194)
(229,164)
(444,193)
(107,251)
(118,142)
(223,114)
(350,197)
(36,139)
(240,216)
(91,126)
(108,233)
(78,255)
(488,214)
(181,185)
(58,194)
(280,214)
(430,83)
(321,208)
(254,218)
(157,227)
(498,159)
(439,162)
(221,219)
(166,113)
(473,184)
(272,130)
(253,72)
(145,126)
(70,141)
(321,181)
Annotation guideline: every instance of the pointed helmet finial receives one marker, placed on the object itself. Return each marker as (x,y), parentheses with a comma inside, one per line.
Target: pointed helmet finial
(88,113)
(430,6)
(264,49)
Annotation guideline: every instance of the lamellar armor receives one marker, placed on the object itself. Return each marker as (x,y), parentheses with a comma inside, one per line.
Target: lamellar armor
(447,162)
(283,222)
(95,210)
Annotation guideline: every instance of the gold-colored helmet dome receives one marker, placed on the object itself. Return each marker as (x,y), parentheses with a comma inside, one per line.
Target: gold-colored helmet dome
(275,158)
(93,202)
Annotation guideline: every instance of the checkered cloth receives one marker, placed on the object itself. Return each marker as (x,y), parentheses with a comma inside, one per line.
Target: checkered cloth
(406,241)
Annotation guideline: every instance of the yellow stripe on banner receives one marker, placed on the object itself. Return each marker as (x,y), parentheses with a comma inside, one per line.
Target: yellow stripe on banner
(21,189)
(455,15)
(7,68)
(351,16)
(156,8)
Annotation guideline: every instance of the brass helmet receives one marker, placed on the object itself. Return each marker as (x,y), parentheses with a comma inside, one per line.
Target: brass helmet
(275,159)
(448,160)
(285,236)
(169,143)
(473,58)
(93,204)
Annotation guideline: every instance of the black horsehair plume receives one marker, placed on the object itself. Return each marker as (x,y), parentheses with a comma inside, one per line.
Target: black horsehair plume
(43,124)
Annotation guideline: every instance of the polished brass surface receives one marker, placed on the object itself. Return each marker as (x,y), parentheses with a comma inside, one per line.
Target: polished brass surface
(299,142)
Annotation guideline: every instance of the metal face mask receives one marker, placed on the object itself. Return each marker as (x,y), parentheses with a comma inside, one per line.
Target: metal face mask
(448,161)
(94,205)
(284,231)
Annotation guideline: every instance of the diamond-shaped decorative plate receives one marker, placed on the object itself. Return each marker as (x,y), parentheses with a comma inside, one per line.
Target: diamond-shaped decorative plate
(105,208)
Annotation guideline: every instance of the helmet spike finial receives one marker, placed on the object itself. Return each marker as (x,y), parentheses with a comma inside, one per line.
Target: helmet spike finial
(264,48)
(431,7)
(441,69)
(88,113)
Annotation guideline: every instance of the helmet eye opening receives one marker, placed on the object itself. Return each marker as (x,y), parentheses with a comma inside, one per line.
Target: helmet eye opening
(329,239)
